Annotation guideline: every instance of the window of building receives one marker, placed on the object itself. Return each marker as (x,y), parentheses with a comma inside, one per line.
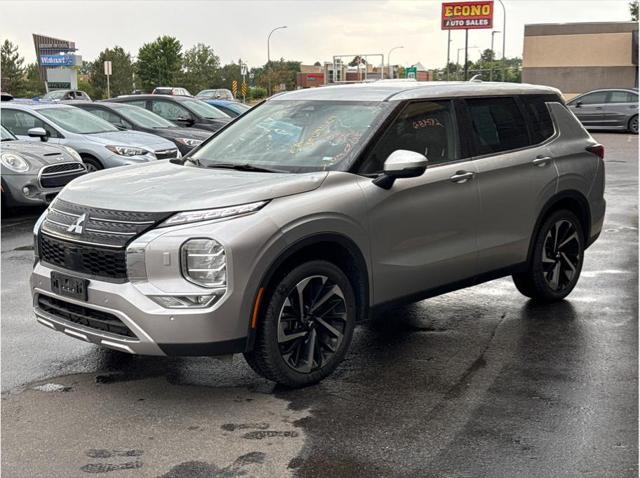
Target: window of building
(426,127)
(498,125)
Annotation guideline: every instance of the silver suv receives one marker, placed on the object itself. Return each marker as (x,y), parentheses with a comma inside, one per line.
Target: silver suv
(287,227)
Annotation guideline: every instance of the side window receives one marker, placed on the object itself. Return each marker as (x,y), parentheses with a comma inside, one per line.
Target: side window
(20,122)
(541,124)
(107,115)
(426,127)
(594,98)
(140,103)
(169,111)
(497,124)
(622,97)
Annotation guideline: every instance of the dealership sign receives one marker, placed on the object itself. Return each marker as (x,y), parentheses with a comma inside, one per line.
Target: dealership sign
(57,60)
(467,15)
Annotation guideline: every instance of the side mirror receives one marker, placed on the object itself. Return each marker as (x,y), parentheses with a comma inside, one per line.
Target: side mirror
(38,133)
(186,120)
(401,164)
(578,104)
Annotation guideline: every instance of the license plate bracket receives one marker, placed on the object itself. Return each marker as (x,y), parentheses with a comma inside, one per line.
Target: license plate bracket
(69,286)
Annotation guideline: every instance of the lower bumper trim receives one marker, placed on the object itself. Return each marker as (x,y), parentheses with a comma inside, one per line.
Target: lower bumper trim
(204,349)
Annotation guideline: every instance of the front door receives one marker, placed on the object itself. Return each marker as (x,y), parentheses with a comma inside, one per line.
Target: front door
(423,230)
(590,108)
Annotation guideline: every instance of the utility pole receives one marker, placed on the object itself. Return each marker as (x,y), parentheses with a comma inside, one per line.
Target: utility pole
(389,62)
(504,29)
(493,53)
(448,51)
(466,54)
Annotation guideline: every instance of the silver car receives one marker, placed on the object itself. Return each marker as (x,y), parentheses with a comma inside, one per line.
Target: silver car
(282,231)
(99,143)
(34,173)
(612,109)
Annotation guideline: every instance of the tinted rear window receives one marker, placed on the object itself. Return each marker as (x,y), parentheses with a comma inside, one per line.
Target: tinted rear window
(497,124)
(540,122)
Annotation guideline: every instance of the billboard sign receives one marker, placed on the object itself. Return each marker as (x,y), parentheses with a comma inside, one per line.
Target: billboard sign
(57,60)
(467,15)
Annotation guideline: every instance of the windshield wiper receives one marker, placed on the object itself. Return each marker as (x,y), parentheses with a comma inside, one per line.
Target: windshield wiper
(245,167)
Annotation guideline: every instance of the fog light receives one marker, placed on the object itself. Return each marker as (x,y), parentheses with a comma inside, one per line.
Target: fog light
(26,191)
(188,301)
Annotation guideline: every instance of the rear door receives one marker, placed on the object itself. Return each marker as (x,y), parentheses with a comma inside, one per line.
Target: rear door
(516,174)
(590,108)
(423,229)
(621,106)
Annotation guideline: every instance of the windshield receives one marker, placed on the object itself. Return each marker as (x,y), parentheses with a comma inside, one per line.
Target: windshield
(76,120)
(6,134)
(236,107)
(203,109)
(55,95)
(206,94)
(143,117)
(295,136)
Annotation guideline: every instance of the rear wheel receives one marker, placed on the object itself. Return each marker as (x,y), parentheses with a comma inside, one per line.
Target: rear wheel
(307,325)
(556,261)
(633,125)
(92,164)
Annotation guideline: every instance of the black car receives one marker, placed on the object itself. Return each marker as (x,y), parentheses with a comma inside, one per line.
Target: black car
(181,110)
(128,116)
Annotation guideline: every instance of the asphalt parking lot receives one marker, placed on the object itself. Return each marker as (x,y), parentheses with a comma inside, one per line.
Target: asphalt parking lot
(479,382)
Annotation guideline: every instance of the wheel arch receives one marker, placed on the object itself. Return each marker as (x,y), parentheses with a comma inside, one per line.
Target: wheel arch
(572,200)
(84,156)
(330,246)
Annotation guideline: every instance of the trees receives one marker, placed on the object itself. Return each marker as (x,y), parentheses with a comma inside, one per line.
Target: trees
(633,10)
(121,81)
(159,62)
(11,68)
(200,69)
(33,85)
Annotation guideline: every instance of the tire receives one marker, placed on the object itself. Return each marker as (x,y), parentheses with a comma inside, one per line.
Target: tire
(633,125)
(556,260)
(298,343)
(92,164)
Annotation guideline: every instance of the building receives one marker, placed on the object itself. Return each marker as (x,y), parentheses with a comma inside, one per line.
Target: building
(579,57)
(57,62)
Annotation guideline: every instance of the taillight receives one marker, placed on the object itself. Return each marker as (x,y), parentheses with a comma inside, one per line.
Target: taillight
(596,149)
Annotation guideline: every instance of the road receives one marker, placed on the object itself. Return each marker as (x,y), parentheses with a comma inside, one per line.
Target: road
(479,382)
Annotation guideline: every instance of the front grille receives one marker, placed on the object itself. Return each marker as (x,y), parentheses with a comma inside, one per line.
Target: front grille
(86,259)
(99,227)
(81,315)
(166,153)
(58,175)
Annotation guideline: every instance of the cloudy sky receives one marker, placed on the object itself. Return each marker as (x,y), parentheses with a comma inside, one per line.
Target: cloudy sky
(317,30)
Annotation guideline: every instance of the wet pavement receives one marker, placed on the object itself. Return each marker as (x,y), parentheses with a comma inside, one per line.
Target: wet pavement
(480,382)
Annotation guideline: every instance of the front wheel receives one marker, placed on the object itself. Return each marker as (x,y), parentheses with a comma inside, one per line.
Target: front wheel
(556,261)
(307,325)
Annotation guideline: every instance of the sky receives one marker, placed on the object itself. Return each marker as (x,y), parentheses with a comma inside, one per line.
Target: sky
(316,30)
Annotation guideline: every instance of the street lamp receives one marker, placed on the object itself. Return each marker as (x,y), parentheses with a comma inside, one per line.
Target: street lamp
(504,28)
(389,61)
(269,55)
(492,35)
(458,56)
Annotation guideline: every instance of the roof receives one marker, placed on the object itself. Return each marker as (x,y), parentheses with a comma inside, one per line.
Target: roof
(35,105)
(388,90)
(149,96)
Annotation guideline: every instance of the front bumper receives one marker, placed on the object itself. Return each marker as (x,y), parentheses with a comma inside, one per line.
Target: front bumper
(13,184)
(156,330)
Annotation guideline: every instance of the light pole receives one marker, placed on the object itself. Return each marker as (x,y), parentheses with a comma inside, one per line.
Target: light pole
(269,55)
(493,32)
(504,28)
(458,56)
(389,61)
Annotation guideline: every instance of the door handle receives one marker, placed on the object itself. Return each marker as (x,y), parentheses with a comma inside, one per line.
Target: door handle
(541,161)
(461,177)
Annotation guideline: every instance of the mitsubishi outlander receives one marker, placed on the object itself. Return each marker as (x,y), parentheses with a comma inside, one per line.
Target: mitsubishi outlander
(291,224)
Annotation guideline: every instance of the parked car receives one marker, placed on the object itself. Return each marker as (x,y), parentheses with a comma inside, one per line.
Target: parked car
(231,108)
(65,95)
(274,241)
(131,117)
(170,90)
(99,143)
(181,110)
(613,109)
(33,173)
(216,94)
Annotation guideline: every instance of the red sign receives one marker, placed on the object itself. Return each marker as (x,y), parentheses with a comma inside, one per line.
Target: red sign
(467,15)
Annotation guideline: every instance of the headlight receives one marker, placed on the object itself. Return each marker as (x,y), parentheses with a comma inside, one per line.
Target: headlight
(204,263)
(189,141)
(74,154)
(14,162)
(127,150)
(210,214)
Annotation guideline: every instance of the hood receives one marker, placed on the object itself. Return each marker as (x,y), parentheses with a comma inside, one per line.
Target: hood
(132,138)
(38,153)
(162,186)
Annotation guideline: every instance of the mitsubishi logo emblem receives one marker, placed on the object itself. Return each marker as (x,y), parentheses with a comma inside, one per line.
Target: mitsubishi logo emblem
(76,226)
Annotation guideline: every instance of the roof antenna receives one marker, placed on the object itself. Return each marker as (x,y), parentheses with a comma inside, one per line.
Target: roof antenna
(477,78)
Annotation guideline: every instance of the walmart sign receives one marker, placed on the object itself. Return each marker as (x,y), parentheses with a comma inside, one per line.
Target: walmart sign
(57,60)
